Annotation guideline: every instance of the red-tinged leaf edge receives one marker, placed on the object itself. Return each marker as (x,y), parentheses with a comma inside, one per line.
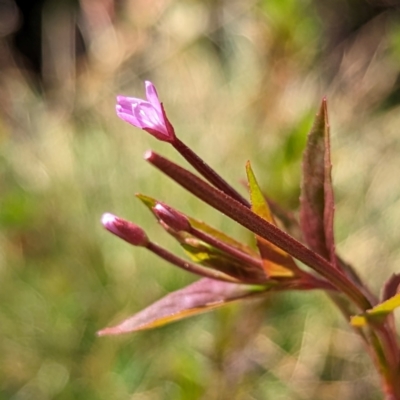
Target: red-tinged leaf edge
(199,297)
(277,262)
(317,200)
(377,314)
(391,287)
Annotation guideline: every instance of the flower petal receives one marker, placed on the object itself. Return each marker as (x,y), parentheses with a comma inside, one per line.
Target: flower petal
(152,96)
(127,116)
(149,117)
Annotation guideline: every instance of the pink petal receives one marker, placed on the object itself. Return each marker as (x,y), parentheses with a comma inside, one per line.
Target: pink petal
(108,221)
(148,117)
(128,117)
(152,96)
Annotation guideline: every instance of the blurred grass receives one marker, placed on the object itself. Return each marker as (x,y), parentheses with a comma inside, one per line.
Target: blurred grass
(240,80)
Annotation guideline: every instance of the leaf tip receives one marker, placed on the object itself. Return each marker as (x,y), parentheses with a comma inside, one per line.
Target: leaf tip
(323,110)
(358,321)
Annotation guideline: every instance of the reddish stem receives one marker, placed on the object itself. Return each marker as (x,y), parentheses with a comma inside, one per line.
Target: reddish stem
(188,266)
(207,172)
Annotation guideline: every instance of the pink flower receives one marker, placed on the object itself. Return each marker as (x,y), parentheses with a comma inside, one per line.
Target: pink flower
(148,115)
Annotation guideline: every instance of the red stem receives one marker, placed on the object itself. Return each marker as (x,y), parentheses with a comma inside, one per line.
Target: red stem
(188,266)
(207,172)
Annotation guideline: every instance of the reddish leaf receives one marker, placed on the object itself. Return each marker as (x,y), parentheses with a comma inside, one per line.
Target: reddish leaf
(201,296)
(391,287)
(317,202)
(277,262)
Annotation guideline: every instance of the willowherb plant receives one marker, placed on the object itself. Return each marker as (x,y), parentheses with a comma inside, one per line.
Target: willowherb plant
(233,271)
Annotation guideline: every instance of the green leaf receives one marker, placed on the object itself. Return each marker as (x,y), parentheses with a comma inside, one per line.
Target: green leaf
(277,262)
(148,201)
(378,313)
(317,201)
(199,297)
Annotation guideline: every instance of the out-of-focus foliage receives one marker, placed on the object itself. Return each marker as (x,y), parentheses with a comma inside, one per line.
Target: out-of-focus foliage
(240,80)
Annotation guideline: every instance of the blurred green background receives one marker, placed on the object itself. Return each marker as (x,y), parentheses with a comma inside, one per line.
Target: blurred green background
(240,80)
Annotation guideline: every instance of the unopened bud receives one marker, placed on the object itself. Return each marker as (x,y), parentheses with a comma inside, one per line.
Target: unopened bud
(175,220)
(125,230)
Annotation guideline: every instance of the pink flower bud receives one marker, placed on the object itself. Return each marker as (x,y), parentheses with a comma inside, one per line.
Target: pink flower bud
(175,220)
(125,230)
(148,115)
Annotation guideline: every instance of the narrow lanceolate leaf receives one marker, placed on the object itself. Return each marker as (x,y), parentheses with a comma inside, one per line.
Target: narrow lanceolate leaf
(277,262)
(316,201)
(199,297)
(378,313)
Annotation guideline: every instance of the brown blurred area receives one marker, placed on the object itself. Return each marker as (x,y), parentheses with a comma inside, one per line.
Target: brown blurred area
(52,41)
(50,44)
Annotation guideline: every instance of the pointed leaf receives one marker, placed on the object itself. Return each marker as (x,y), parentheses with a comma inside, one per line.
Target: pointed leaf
(391,287)
(316,201)
(200,225)
(201,296)
(378,313)
(276,261)
(148,201)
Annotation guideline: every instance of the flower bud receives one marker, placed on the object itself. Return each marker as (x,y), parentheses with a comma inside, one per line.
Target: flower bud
(175,220)
(125,230)
(148,115)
